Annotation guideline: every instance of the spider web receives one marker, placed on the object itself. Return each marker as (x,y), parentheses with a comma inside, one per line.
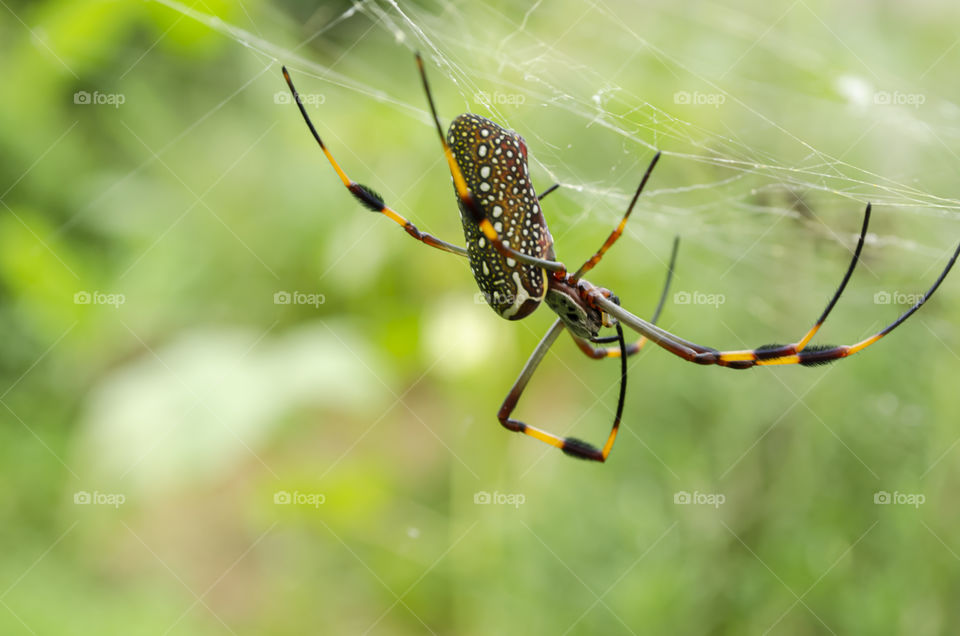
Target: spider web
(761,117)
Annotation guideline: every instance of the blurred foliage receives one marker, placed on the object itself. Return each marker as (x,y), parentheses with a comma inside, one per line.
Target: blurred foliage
(185,390)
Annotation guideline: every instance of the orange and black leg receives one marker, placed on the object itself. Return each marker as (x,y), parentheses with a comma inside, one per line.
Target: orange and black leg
(469,202)
(796,353)
(618,231)
(569,445)
(367,196)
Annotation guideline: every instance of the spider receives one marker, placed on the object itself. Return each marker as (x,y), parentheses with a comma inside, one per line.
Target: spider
(510,251)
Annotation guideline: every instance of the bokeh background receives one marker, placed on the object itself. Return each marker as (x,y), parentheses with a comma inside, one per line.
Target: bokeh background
(181,452)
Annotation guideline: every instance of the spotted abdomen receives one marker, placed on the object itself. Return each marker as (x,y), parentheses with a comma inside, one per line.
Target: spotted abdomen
(494,165)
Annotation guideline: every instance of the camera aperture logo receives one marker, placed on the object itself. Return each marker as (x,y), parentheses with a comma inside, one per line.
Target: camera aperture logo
(502,498)
(97,98)
(494,299)
(897,298)
(497,98)
(884,498)
(97,498)
(83,297)
(307,99)
(684,498)
(899,98)
(698,298)
(298,298)
(696,98)
(297,498)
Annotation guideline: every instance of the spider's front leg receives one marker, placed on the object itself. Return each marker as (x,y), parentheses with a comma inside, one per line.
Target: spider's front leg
(569,445)
(367,196)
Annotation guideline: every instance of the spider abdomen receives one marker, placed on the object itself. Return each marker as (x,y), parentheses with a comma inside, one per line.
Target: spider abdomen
(493,161)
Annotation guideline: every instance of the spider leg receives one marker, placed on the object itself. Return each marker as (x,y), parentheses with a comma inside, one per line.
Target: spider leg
(569,445)
(618,231)
(800,345)
(470,204)
(634,347)
(548,191)
(796,353)
(370,199)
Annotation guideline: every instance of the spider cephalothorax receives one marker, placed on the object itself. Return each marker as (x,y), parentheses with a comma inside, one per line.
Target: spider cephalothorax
(571,300)
(512,257)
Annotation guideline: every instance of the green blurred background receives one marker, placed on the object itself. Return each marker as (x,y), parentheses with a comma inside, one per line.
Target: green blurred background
(160,408)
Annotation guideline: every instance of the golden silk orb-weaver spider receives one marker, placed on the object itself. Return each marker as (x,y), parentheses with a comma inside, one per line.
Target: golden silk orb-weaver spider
(511,254)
